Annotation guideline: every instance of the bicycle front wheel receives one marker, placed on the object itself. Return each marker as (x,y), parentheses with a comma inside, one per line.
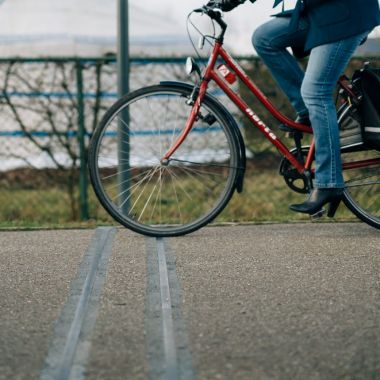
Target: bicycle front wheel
(152,196)
(362,181)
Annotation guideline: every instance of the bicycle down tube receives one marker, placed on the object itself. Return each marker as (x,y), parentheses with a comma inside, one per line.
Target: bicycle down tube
(186,154)
(211,74)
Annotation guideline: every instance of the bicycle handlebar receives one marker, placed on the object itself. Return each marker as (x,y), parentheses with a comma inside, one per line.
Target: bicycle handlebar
(216,15)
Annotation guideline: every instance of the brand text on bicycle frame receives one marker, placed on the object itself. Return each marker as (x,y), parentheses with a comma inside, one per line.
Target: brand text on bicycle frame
(257,120)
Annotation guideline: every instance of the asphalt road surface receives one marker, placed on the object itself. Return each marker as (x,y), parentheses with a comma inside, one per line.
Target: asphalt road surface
(294,301)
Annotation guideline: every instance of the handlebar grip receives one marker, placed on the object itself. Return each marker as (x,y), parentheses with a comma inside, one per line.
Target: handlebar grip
(214,13)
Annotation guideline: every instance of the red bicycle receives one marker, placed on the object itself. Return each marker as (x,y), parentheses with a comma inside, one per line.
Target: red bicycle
(166,159)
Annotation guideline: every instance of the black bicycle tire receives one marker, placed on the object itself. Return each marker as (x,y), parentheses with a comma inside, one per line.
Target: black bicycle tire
(359,212)
(130,224)
(350,203)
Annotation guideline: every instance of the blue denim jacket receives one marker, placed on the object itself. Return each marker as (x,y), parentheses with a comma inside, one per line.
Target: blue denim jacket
(333,20)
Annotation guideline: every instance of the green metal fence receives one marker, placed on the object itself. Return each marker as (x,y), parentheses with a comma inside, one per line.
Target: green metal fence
(48,111)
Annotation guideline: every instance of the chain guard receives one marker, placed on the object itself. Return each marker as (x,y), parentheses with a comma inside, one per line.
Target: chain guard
(293,179)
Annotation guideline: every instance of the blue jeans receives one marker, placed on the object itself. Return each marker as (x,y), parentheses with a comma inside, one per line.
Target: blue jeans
(310,92)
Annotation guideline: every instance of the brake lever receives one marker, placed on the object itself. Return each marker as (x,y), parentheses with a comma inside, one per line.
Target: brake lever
(213,12)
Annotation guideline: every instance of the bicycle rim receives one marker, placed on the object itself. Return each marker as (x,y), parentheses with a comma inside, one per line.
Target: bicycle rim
(363,187)
(158,198)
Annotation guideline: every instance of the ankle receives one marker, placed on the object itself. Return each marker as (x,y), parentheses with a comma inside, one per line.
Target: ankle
(303,119)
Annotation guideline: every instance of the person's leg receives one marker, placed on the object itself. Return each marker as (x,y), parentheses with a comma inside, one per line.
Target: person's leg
(271,41)
(326,64)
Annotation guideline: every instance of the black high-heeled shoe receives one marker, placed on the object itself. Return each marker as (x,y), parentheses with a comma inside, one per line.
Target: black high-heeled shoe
(317,199)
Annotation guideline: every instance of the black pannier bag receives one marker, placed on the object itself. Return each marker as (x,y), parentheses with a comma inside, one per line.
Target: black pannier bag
(367,81)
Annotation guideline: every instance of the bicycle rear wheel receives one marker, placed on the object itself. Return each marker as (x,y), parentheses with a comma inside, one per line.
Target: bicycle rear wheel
(155,197)
(362,190)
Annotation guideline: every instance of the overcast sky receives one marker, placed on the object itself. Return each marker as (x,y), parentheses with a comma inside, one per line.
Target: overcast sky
(43,27)
(171,16)
(150,21)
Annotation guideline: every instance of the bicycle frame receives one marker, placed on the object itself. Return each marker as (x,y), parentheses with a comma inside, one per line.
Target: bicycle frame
(211,73)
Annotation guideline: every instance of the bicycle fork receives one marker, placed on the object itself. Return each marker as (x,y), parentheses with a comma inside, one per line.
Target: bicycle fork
(196,99)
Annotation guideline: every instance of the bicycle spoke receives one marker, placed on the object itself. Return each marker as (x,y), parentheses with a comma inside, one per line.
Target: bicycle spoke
(201,175)
(118,184)
(175,126)
(193,177)
(120,159)
(202,164)
(129,136)
(147,202)
(134,187)
(203,172)
(146,184)
(113,159)
(143,192)
(176,196)
(157,127)
(157,196)
(187,194)
(117,173)
(363,185)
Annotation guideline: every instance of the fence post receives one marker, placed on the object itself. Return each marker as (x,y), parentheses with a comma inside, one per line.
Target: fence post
(83,181)
(123,88)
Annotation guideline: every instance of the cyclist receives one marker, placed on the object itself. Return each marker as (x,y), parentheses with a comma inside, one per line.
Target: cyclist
(328,31)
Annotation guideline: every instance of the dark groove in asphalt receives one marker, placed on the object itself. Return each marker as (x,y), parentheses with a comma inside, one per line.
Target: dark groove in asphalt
(166,338)
(69,349)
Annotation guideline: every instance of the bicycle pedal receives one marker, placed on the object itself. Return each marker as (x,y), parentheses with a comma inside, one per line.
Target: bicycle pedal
(289,135)
(318,214)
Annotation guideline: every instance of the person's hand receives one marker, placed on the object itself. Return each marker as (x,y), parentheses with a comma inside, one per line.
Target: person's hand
(225,5)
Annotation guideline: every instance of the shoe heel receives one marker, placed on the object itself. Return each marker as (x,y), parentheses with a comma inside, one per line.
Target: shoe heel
(333,207)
